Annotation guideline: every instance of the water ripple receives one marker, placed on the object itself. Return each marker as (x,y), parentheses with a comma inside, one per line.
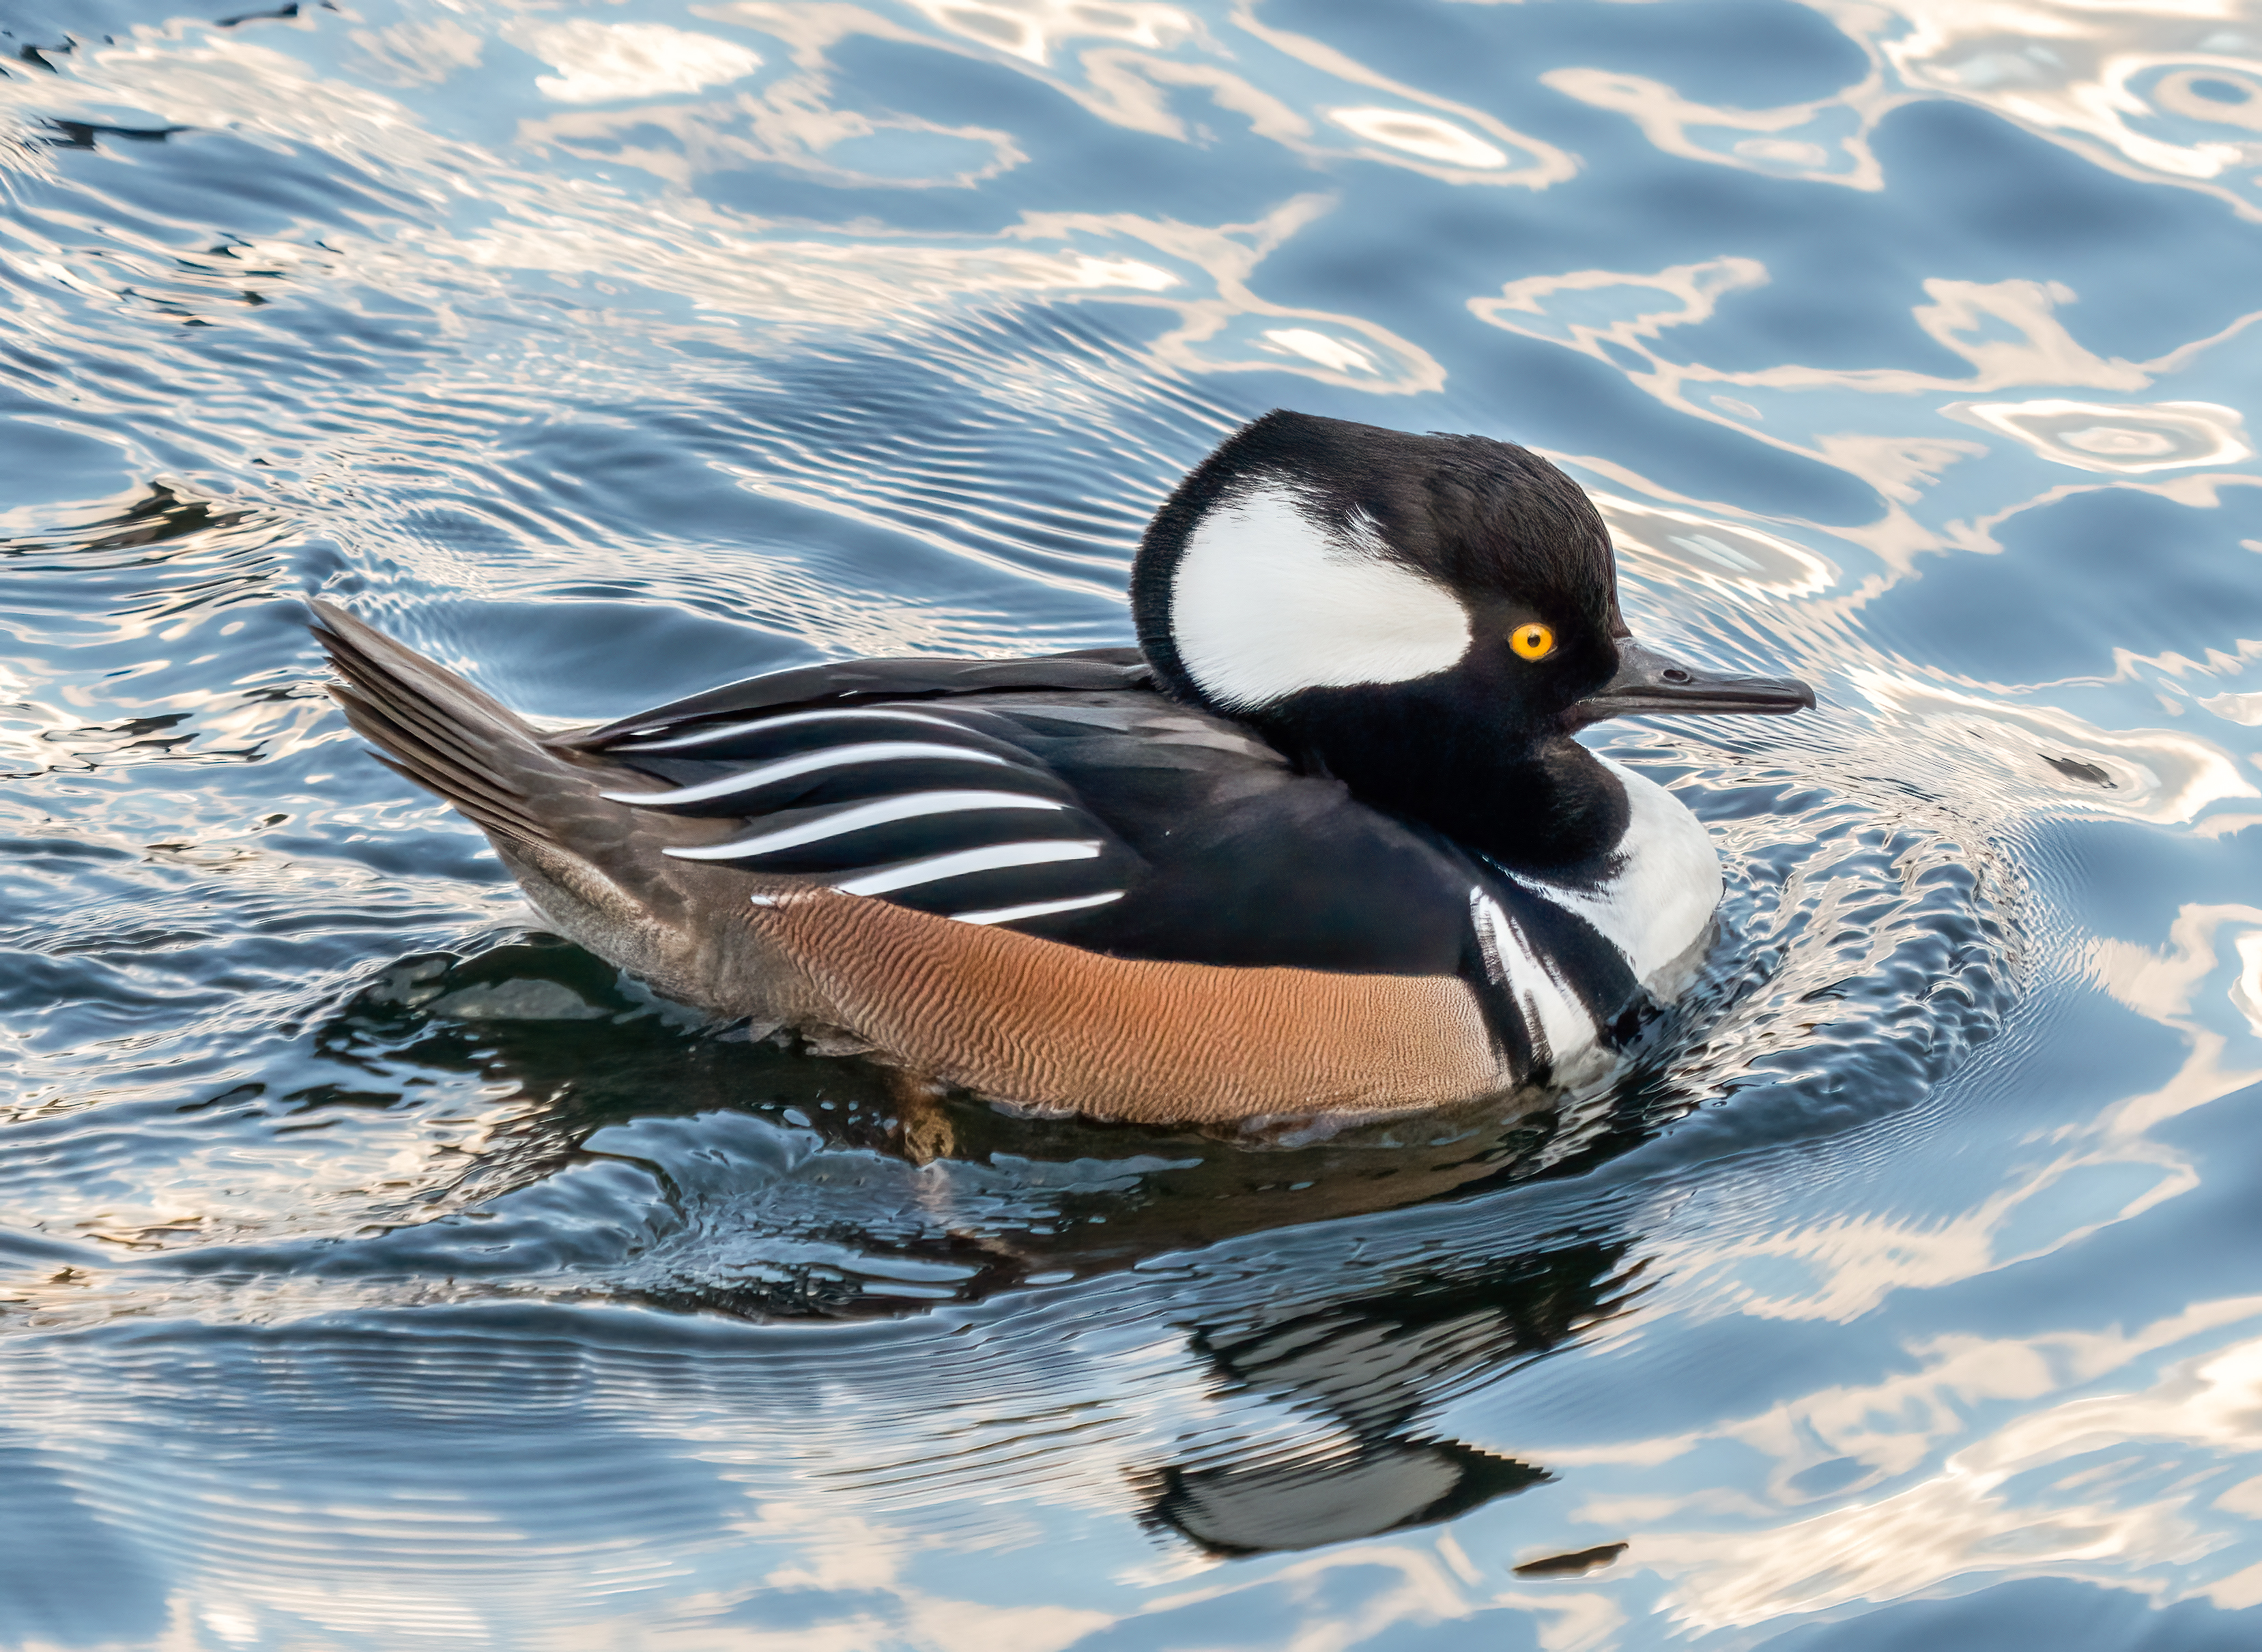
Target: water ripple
(378,1272)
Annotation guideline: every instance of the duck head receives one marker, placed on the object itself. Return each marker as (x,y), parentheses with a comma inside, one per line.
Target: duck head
(1428,618)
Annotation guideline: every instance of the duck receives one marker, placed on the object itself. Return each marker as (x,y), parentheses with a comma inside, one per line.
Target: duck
(1324,844)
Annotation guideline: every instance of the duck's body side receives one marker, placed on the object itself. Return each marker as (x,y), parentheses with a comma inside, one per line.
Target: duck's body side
(1158,832)
(1324,843)
(1180,925)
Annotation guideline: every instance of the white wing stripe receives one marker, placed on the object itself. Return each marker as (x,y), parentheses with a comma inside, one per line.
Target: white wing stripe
(806,763)
(935,868)
(1034,909)
(874,813)
(731,731)
(1554,1018)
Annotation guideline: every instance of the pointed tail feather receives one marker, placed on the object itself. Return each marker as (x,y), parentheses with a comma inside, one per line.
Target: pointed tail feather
(430,725)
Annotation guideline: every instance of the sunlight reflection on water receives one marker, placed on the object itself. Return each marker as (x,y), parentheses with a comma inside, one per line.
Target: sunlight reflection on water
(374,1274)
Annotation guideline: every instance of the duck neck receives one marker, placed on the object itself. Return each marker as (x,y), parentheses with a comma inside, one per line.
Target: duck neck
(1554,812)
(1545,806)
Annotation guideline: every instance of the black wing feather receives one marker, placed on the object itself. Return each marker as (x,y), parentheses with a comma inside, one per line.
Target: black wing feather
(935,806)
(1091,670)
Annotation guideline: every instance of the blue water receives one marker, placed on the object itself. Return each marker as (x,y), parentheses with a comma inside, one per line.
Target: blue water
(378,1272)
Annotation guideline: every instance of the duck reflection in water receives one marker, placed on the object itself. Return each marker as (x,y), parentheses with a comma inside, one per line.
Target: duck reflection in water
(791,1194)
(1365,1370)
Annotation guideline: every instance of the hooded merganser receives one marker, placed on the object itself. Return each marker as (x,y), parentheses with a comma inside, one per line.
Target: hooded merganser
(1322,844)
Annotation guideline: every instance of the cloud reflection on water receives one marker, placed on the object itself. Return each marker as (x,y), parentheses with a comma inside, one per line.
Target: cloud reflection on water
(2161,91)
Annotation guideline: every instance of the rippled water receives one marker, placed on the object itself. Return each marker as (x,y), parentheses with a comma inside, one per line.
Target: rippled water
(376,1272)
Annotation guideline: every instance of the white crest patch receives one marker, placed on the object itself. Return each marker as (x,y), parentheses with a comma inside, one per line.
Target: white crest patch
(1266,602)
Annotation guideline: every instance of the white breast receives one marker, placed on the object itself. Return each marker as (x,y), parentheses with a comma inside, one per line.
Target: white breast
(1661,901)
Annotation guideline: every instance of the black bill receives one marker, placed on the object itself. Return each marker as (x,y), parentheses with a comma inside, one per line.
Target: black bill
(1648,684)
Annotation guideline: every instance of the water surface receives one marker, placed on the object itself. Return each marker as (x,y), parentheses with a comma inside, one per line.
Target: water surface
(379,1272)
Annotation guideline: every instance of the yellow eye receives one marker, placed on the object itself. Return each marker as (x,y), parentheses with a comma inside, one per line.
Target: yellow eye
(1532,641)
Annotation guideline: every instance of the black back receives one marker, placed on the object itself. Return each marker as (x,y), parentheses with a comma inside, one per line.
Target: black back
(1208,846)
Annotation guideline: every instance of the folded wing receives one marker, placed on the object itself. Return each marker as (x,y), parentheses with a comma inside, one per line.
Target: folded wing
(928,805)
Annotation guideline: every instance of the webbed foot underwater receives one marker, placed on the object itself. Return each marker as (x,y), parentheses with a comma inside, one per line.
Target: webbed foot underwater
(1323,842)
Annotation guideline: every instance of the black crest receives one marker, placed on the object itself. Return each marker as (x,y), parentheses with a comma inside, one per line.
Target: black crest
(1487,520)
